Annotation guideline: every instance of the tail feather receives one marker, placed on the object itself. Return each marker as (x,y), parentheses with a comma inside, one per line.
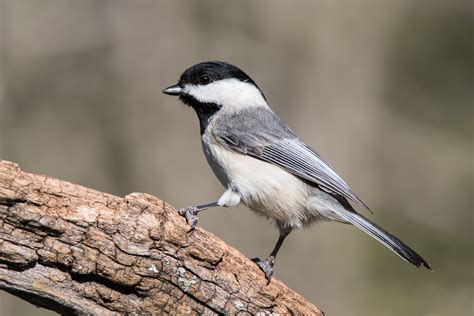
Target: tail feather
(387,239)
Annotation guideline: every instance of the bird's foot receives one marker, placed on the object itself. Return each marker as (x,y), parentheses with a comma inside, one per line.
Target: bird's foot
(266,266)
(190,214)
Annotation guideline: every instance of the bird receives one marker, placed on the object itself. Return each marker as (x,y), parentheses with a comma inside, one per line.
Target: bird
(263,164)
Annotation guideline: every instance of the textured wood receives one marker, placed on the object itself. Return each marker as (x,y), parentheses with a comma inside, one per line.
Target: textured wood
(76,250)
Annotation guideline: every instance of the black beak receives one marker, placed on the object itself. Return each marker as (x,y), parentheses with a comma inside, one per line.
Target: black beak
(173,90)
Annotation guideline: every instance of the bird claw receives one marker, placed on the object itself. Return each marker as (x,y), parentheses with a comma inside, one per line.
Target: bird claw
(266,266)
(190,214)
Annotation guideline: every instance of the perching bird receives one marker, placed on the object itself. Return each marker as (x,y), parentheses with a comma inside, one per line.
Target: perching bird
(262,163)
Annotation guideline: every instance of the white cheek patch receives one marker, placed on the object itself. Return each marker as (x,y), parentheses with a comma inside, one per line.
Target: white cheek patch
(232,94)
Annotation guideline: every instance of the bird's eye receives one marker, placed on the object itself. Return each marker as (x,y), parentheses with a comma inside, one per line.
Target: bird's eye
(204,79)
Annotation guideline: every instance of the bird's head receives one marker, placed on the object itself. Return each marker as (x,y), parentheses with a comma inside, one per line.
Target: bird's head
(216,85)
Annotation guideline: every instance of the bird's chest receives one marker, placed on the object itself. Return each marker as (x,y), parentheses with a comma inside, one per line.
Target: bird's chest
(217,160)
(263,187)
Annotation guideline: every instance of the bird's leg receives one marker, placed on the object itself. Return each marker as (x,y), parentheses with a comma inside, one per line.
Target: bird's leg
(267,265)
(190,213)
(230,198)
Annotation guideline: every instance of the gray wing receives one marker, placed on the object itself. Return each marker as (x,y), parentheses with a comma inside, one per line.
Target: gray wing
(260,134)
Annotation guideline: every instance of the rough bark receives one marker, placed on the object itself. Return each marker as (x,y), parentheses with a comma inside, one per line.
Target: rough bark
(76,250)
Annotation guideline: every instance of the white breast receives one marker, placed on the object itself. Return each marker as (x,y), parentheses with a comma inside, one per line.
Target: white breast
(263,187)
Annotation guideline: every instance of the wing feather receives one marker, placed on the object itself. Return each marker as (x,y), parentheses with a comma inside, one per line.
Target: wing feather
(265,137)
(297,158)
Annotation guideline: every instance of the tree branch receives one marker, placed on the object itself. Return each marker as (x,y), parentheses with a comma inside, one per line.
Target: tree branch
(75,250)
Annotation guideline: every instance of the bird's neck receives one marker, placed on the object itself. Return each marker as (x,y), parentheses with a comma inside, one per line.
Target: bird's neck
(204,110)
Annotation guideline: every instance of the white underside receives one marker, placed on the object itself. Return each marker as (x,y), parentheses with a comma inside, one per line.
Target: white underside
(267,189)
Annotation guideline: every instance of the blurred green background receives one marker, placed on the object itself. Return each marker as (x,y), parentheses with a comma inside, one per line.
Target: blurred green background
(383,90)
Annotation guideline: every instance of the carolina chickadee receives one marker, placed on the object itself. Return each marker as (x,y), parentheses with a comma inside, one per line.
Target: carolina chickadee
(263,164)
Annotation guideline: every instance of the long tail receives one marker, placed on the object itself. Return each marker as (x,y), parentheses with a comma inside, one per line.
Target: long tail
(387,239)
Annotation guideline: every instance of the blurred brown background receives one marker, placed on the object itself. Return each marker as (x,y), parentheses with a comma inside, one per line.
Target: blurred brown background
(383,90)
